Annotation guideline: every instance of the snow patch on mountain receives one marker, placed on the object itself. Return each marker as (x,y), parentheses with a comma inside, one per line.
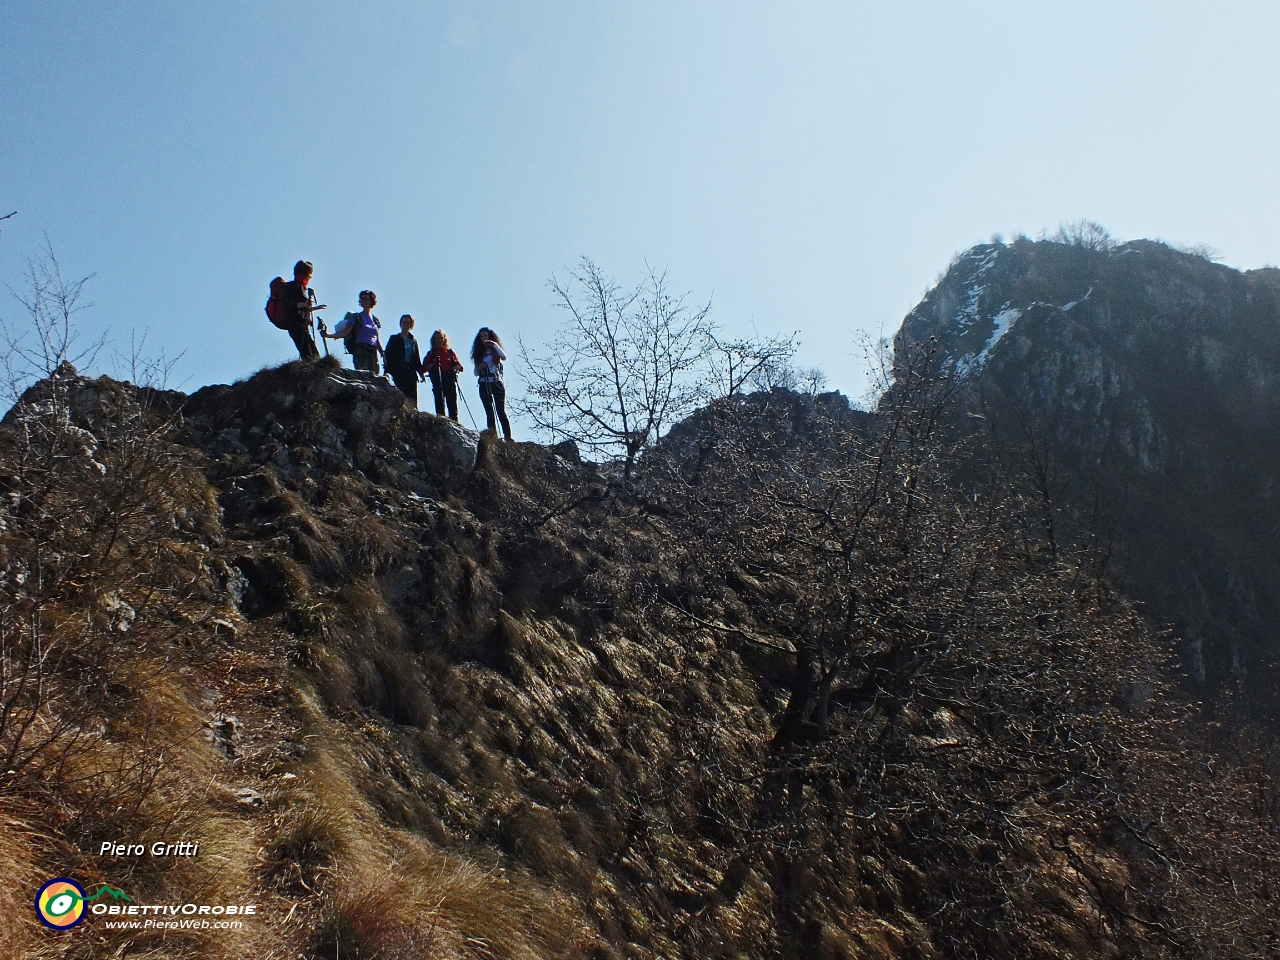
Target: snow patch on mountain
(1004,321)
(968,314)
(1076,303)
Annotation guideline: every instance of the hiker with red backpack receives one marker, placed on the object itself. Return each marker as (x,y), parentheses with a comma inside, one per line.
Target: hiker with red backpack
(443,366)
(291,306)
(359,332)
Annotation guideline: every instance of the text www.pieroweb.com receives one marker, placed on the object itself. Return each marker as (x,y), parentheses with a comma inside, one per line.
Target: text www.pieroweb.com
(183,923)
(173,916)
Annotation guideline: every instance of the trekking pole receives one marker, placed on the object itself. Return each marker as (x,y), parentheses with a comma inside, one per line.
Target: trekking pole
(311,313)
(463,397)
(323,338)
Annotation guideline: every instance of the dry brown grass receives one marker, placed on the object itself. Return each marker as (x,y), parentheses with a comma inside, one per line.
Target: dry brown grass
(313,829)
(424,903)
(375,892)
(20,850)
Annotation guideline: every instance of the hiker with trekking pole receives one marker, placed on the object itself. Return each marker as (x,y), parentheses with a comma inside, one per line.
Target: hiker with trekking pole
(487,355)
(443,366)
(292,307)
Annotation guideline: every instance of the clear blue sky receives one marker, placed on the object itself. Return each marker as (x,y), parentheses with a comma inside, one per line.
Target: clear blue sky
(809,166)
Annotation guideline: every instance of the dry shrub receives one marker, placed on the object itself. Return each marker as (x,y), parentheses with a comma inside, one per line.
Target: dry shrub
(314,548)
(334,681)
(316,821)
(365,611)
(362,659)
(171,807)
(369,544)
(378,916)
(310,837)
(488,911)
(276,582)
(318,619)
(356,652)
(443,754)
(385,893)
(533,835)
(396,690)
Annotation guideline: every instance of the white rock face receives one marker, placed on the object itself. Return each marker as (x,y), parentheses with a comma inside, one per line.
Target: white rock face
(457,448)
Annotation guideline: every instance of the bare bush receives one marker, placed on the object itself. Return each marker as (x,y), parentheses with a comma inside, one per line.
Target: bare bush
(1201,250)
(982,712)
(83,546)
(142,367)
(48,336)
(93,492)
(742,364)
(622,369)
(1085,234)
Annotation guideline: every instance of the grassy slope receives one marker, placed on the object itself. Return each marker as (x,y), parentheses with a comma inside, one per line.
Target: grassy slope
(463,738)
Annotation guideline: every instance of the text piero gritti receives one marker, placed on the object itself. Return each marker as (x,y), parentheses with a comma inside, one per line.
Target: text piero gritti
(161,848)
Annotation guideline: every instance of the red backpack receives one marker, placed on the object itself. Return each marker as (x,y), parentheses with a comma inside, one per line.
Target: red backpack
(277,313)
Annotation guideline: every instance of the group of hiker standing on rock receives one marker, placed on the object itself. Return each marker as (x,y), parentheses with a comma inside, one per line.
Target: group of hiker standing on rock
(293,306)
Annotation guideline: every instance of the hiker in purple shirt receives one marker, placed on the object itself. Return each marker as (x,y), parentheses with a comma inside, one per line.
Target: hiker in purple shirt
(361,334)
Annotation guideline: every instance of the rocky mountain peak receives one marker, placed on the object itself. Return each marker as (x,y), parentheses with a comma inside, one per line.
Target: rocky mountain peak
(1151,379)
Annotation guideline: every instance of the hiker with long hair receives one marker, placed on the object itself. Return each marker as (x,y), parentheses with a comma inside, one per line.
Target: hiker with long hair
(360,331)
(487,355)
(403,359)
(443,366)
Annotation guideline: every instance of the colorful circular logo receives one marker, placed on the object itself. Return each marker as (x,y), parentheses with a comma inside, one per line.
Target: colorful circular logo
(60,904)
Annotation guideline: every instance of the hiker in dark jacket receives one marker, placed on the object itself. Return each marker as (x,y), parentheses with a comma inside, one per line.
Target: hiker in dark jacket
(443,366)
(487,354)
(403,360)
(298,311)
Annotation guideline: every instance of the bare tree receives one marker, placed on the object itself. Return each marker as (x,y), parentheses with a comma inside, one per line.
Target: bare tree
(622,369)
(48,338)
(89,521)
(742,364)
(629,363)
